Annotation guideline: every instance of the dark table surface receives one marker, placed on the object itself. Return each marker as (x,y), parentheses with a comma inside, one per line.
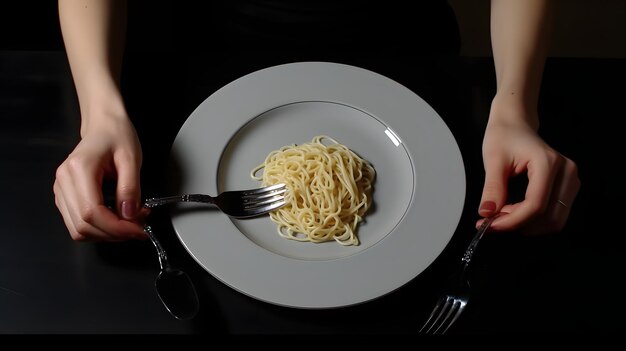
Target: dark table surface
(567,282)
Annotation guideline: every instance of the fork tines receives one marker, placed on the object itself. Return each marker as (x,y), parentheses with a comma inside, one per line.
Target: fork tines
(445,313)
(264,199)
(280,187)
(264,195)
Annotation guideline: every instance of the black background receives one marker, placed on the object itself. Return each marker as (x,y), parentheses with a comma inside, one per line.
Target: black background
(567,282)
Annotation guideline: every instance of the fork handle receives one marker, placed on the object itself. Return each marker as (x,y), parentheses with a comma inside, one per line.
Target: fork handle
(471,248)
(160,201)
(163,260)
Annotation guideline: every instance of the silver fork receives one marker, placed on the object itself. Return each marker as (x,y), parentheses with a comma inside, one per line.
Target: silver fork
(239,204)
(450,306)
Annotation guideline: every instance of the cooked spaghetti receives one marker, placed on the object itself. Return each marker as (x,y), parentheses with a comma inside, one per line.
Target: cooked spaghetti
(329,190)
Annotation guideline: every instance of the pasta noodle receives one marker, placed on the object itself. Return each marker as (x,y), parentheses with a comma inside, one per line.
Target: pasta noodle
(329,190)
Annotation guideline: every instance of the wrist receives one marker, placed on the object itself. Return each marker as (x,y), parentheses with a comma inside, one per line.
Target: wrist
(512,109)
(101,109)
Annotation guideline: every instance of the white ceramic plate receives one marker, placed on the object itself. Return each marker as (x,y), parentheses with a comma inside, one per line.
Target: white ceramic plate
(418,194)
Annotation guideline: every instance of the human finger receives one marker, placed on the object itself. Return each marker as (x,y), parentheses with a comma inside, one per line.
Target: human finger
(495,187)
(541,174)
(128,193)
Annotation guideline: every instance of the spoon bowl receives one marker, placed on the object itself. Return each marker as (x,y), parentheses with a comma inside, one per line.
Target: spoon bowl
(174,287)
(177,293)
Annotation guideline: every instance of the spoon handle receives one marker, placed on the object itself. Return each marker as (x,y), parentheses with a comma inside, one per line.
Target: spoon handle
(163,261)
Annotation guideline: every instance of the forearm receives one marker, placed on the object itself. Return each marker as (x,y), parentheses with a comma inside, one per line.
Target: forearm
(519,35)
(93,33)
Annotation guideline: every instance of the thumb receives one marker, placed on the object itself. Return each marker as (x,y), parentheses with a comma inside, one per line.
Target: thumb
(495,189)
(128,192)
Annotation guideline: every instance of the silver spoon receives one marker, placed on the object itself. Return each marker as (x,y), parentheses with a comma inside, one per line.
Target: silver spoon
(174,287)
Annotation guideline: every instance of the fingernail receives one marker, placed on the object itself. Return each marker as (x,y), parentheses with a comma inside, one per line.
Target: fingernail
(487,208)
(128,209)
(142,236)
